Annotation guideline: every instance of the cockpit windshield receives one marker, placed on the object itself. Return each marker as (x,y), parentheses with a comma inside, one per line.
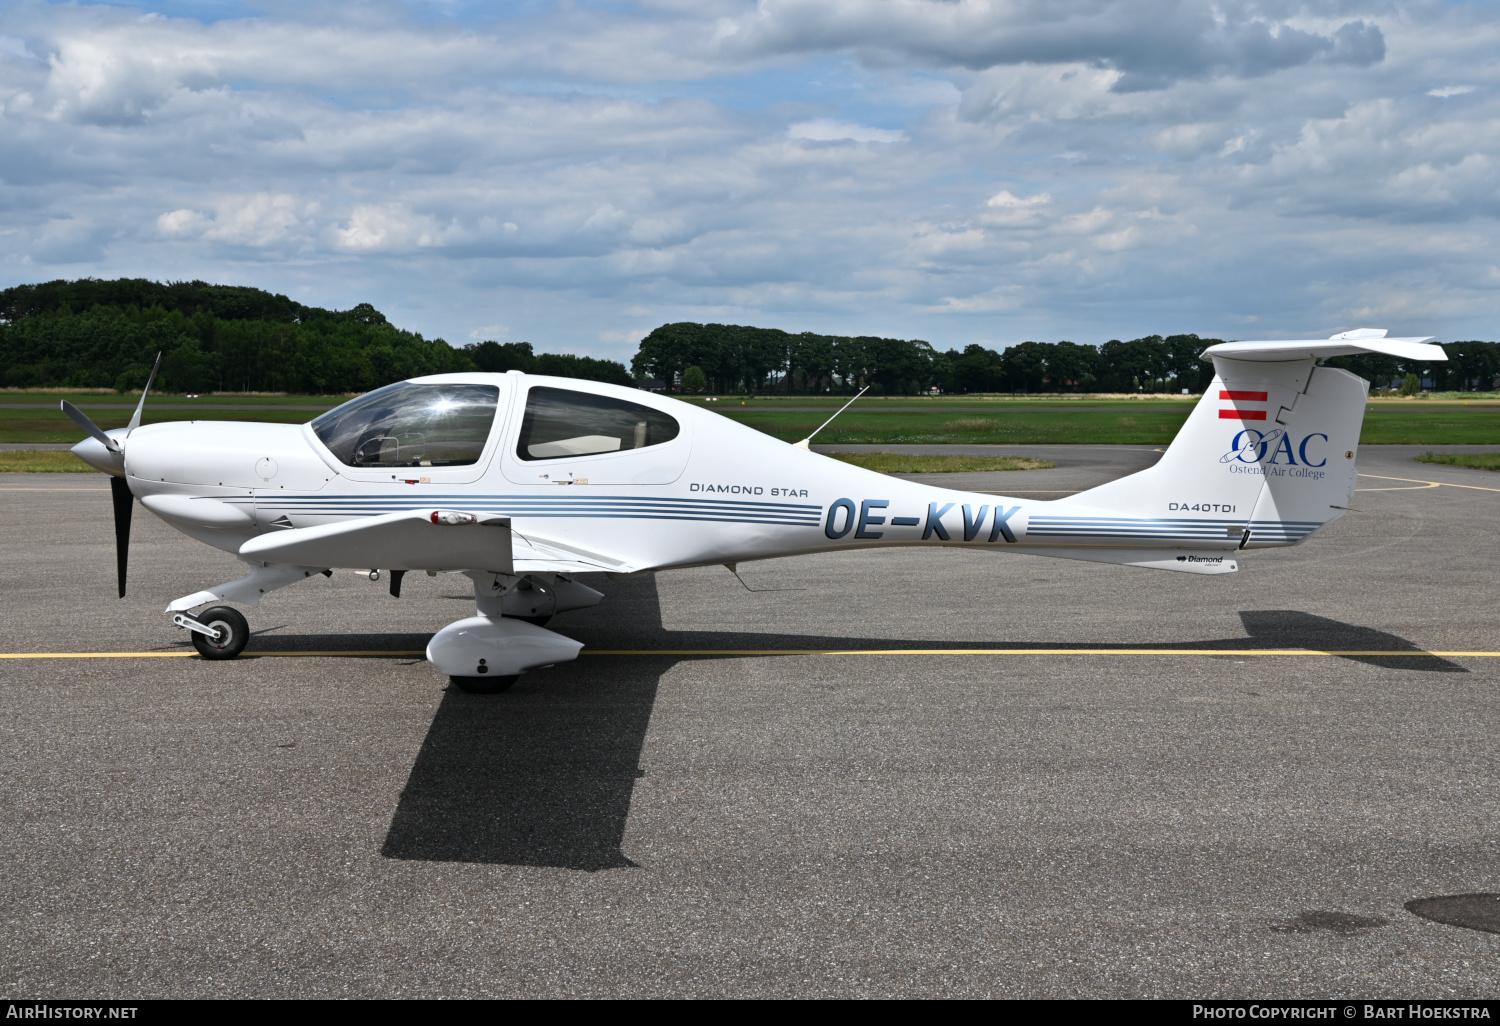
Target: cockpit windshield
(411,425)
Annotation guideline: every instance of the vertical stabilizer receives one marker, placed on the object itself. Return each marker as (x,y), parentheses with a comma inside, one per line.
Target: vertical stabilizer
(1267,454)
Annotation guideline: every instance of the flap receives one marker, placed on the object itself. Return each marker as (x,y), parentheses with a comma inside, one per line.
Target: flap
(408,540)
(539,555)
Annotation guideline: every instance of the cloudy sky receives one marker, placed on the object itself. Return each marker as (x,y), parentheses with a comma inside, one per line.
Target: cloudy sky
(575,173)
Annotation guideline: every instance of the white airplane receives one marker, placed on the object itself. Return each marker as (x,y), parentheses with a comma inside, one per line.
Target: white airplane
(522,482)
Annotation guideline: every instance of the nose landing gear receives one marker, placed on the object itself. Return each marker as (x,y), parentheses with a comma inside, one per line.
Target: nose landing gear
(220,632)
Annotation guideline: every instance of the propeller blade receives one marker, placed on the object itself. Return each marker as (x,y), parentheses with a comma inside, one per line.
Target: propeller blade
(80,418)
(124,507)
(396,576)
(140,407)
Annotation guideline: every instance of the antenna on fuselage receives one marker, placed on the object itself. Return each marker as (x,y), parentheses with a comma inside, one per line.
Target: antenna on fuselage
(805,442)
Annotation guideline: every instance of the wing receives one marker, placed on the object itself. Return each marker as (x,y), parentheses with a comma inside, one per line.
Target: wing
(427,539)
(421,539)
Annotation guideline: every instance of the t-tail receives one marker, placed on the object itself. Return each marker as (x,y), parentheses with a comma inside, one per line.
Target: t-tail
(1266,457)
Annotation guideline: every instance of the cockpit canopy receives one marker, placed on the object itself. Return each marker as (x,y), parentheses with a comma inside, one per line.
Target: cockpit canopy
(560,422)
(411,425)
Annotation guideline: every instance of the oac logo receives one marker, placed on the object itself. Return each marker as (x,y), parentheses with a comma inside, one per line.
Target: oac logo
(1252,446)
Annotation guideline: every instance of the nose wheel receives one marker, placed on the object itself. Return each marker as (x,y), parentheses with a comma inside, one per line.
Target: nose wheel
(230,633)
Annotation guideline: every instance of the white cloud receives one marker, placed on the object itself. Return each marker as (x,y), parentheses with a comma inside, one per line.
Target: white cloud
(388,227)
(1063,168)
(994,301)
(1151,44)
(629,336)
(15,47)
(182,224)
(604,219)
(258,219)
(1007,200)
(1007,210)
(825,130)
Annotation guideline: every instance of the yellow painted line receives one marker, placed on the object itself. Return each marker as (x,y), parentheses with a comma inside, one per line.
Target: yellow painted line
(1418,481)
(1018,651)
(403,653)
(191,654)
(94,655)
(407,653)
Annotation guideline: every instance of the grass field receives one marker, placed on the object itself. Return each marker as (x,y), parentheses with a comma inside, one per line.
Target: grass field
(52,425)
(1035,420)
(1009,426)
(1406,424)
(905,463)
(1477,460)
(49,398)
(42,461)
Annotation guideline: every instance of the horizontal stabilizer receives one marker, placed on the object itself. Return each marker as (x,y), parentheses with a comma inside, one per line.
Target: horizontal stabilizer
(1349,343)
(420,539)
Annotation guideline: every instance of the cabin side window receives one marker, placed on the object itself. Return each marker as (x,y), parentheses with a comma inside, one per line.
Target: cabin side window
(560,423)
(409,425)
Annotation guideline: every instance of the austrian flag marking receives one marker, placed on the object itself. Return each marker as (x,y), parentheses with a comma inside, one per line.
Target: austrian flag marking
(1238,411)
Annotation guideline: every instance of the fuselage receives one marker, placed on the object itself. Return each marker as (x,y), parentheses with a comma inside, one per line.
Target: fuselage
(712,491)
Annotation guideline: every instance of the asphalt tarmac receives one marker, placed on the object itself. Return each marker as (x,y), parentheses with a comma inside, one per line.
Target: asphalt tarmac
(1074,824)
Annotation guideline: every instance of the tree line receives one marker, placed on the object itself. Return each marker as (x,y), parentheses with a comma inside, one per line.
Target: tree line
(105,334)
(734,358)
(737,358)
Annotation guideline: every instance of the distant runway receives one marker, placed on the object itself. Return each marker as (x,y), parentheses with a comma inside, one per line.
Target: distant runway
(899,772)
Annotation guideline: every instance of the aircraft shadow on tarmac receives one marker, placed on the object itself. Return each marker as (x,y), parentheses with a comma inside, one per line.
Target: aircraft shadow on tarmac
(538,776)
(543,775)
(1289,628)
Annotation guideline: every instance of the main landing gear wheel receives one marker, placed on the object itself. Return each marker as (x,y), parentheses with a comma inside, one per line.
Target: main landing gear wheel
(540,621)
(484,685)
(232,629)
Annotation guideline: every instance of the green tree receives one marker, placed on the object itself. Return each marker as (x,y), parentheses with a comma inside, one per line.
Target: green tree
(1071,366)
(1024,366)
(1185,364)
(694,380)
(92,333)
(976,369)
(499,357)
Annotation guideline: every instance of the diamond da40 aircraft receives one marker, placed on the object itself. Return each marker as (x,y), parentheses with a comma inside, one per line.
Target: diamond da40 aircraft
(523,482)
